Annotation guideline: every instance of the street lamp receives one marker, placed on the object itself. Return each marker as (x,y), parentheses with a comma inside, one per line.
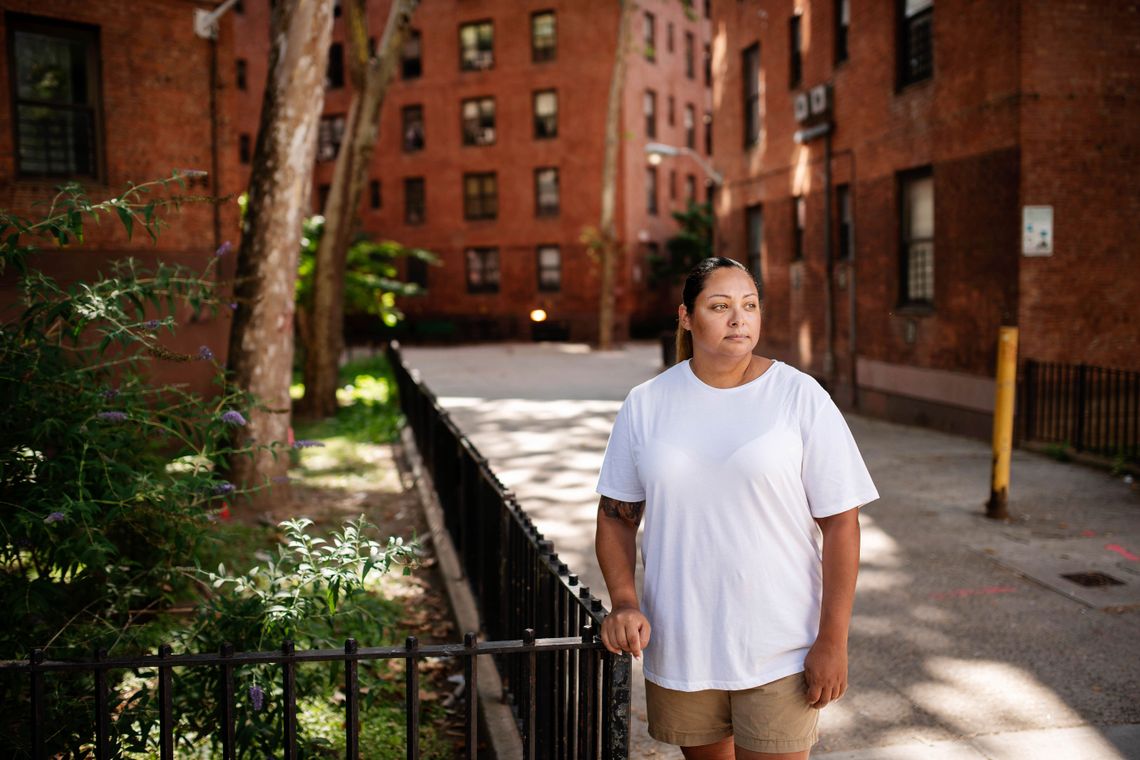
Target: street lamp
(656,150)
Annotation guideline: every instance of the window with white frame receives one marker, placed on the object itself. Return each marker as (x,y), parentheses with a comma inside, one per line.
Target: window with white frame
(482,270)
(545,114)
(330,133)
(476,46)
(917,225)
(546,200)
(543,36)
(549,268)
(478,121)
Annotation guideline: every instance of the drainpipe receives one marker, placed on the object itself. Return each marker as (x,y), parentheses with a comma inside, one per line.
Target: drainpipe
(828,266)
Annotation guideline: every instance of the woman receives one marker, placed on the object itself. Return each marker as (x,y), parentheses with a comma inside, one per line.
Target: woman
(750,483)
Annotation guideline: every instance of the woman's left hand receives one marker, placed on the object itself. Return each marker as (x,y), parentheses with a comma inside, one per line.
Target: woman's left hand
(825,671)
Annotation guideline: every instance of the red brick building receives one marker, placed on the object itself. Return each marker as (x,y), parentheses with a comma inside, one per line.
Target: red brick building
(111,93)
(491,146)
(951,125)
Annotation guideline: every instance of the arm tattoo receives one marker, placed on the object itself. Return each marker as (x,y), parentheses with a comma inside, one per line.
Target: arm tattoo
(629,511)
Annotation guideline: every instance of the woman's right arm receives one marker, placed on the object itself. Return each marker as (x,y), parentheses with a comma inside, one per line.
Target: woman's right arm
(625,629)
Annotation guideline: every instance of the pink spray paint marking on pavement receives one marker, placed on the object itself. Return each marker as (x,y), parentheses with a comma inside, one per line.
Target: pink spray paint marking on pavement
(1122,552)
(963,592)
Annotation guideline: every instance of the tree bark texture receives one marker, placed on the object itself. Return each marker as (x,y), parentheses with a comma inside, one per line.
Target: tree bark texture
(607,227)
(261,340)
(370,76)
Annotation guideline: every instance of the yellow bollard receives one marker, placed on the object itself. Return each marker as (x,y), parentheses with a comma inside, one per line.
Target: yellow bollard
(1005,392)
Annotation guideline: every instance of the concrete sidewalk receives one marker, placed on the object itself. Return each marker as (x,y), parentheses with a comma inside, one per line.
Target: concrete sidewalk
(967,641)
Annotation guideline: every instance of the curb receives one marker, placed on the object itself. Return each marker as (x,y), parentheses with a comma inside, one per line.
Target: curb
(496,721)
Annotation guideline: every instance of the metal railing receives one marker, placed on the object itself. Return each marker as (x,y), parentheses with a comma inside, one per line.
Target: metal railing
(1092,409)
(529,652)
(569,696)
(519,582)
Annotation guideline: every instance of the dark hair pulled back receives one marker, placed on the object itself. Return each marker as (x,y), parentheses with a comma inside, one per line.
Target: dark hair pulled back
(694,284)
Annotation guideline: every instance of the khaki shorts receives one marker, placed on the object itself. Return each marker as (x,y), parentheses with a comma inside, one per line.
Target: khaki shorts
(773,718)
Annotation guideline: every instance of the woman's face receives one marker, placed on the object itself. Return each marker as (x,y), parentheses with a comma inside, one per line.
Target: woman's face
(725,320)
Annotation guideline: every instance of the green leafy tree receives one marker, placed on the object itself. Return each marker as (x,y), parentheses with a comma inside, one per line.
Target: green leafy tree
(692,243)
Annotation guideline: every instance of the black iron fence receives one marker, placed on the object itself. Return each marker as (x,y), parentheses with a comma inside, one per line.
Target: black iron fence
(527,654)
(1091,409)
(569,696)
(519,582)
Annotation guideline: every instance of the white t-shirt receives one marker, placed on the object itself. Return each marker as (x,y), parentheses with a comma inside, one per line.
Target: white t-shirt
(732,479)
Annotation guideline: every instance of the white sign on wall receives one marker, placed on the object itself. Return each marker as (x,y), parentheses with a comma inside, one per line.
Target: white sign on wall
(1037,230)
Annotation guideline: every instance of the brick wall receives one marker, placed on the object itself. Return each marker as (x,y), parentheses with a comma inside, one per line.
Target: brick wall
(155,85)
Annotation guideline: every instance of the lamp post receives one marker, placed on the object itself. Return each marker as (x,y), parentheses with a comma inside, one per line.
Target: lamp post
(656,151)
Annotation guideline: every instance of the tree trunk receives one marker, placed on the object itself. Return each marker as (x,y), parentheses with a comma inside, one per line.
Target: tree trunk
(607,227)
(261,340)
(370,79)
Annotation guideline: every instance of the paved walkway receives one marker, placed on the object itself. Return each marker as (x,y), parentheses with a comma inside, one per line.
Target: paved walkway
(966,642)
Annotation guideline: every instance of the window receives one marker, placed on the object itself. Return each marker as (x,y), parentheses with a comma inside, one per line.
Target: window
(846,240)
(415,202)
(543,37)
(799,224)
(650,114)
(708,133)
(651,190)
(411,57)
(413,130)
(670,115)
(545,114)
(374,193)
(482,270)
(240,74)
(795,52)
(690,189)
(54,77)
(245,153)
(476,46)
(690,56)
(549,268)
(649,32)
(480,196)
(416,272)
(917,237)
(690,127)
(751,68)
(334,74)
(479,121)
(842,26)
(672,184)
(669,37)
(916,44)
(329,136)
(546,192)
(322,198)
(239,8)
(754,220)
(708,66)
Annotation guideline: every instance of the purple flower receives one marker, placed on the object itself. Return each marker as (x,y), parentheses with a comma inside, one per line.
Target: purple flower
(223,249)
(233,306)
(55,517)
(193,173)
(279,479)
(223,488)
(257,697)
(110,394)
(306,444)
(151,324)
(112,416)
(205,354)
(233,417)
